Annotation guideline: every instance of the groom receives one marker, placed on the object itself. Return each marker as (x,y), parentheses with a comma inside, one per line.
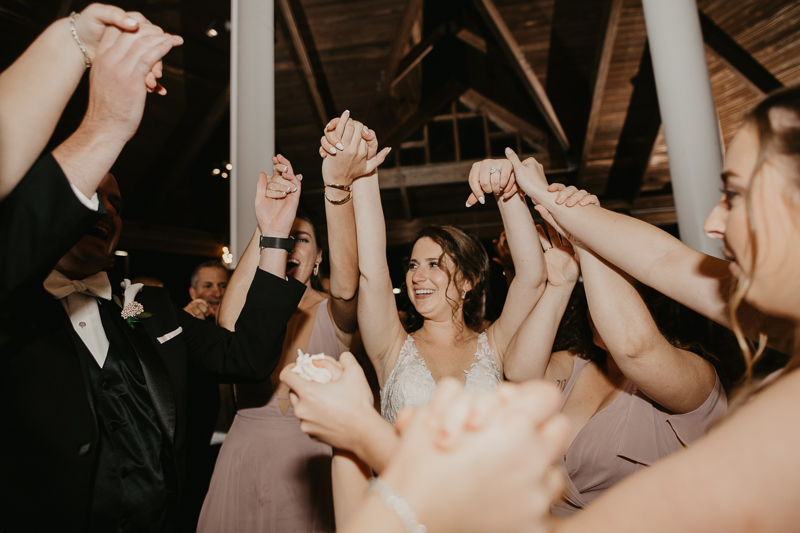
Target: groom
(95,406)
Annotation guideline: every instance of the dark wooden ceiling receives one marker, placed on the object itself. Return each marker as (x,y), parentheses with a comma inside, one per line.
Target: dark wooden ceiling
(385,61)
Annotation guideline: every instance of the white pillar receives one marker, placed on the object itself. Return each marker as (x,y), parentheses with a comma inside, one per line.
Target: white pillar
(252,111)
(687,110)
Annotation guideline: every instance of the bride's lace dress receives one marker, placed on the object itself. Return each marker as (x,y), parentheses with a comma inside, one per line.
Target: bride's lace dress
(411,383)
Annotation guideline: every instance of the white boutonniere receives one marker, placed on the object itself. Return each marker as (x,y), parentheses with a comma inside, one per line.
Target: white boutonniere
(132,311)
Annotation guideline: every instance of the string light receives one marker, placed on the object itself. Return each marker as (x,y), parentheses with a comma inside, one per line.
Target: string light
(224,174)
(229,166)
(215,171)
(227,256)
(121,253)
(396,290)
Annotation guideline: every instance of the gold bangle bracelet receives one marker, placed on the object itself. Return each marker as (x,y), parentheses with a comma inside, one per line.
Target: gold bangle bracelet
(339,202)
(346,188)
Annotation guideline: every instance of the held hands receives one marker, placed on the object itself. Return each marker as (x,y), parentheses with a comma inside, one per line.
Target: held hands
(562,264)
(277,198)
(335,142)
(569,196)
(91,26)
(491,176)
(118,82)
(462,443)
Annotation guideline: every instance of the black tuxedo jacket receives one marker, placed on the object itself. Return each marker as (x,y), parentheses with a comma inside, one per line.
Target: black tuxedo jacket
(49,427)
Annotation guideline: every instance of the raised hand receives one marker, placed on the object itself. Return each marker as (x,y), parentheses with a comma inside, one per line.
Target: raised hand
(331,142)
(572,197)
(280,183)
(350,162)
(491,176)
(562,264)
(276,209)
(117,86)
(91,25)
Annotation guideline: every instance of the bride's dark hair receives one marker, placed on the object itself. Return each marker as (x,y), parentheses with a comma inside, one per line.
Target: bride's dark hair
(469,261)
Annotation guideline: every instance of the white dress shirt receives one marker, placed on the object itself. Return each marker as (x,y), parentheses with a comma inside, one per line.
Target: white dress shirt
(84,314)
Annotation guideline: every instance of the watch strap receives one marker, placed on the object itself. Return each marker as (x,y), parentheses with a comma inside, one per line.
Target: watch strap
(276,242)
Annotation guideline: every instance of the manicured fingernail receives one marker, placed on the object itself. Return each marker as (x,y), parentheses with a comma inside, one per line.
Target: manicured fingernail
(340,146)
(366,129)
(288,189)
(390,149)
(294,190)
(347,111)
(469,204)
(328,125)
(509,151)
(300,177)
(482,200)
(285,168)
(130,22)
(333,151)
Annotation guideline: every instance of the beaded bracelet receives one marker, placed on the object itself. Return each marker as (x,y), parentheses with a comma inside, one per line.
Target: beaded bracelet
(398,505)
(72,18)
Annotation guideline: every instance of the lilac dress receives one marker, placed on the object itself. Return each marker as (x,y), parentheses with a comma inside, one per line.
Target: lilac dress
(627,435)
(270,476)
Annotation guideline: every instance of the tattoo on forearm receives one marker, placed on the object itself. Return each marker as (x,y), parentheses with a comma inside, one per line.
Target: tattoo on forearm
(561,383)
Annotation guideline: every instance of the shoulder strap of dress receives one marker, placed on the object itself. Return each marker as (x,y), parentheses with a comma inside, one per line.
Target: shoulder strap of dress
(577,365)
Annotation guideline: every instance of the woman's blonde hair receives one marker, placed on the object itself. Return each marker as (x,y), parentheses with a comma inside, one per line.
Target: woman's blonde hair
(775,138)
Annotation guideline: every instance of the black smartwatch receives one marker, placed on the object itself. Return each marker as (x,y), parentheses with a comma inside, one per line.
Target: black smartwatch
(276,242)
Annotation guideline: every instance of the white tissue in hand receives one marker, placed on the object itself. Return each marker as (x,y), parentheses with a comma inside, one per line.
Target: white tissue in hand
(306,369)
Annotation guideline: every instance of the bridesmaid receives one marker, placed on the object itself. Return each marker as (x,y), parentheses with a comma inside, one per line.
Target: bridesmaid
(270,476)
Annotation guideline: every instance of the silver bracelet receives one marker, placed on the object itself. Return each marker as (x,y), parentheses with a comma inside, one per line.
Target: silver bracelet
(72,18)
(397,504)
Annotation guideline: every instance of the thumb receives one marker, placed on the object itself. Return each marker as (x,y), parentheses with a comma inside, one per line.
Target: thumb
(512,156)
(379,158)
(111,16)
(348,361)
(261,187)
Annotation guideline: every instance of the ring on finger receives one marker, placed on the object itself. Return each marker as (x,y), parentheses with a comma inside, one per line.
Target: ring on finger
(493,170)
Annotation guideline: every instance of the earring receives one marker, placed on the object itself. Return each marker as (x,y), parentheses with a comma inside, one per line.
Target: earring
(316,269)
(464,295)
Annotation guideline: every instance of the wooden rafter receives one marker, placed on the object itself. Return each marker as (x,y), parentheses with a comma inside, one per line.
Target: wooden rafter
(519,63)
(314,77)
(638,136)
(504,118)
(603,66)
(485,222)
(411,15)
(737,58)
(415,56)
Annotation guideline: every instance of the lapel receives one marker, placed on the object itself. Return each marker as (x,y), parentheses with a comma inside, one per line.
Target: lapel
(155,372)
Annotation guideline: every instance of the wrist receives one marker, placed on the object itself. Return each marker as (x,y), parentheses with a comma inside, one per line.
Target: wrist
(269,231)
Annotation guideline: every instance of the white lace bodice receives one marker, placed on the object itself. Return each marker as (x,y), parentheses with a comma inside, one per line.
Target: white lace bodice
(411,383)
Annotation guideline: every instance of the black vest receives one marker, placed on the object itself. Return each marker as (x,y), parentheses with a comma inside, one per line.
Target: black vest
(135,483)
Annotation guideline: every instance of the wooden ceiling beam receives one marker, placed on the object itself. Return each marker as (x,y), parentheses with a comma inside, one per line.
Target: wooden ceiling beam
(638,136)
(603,66)
(313,74)
(737,58)
(416,55)
(504,118)
(519,63)
(437,174)
(412,13)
